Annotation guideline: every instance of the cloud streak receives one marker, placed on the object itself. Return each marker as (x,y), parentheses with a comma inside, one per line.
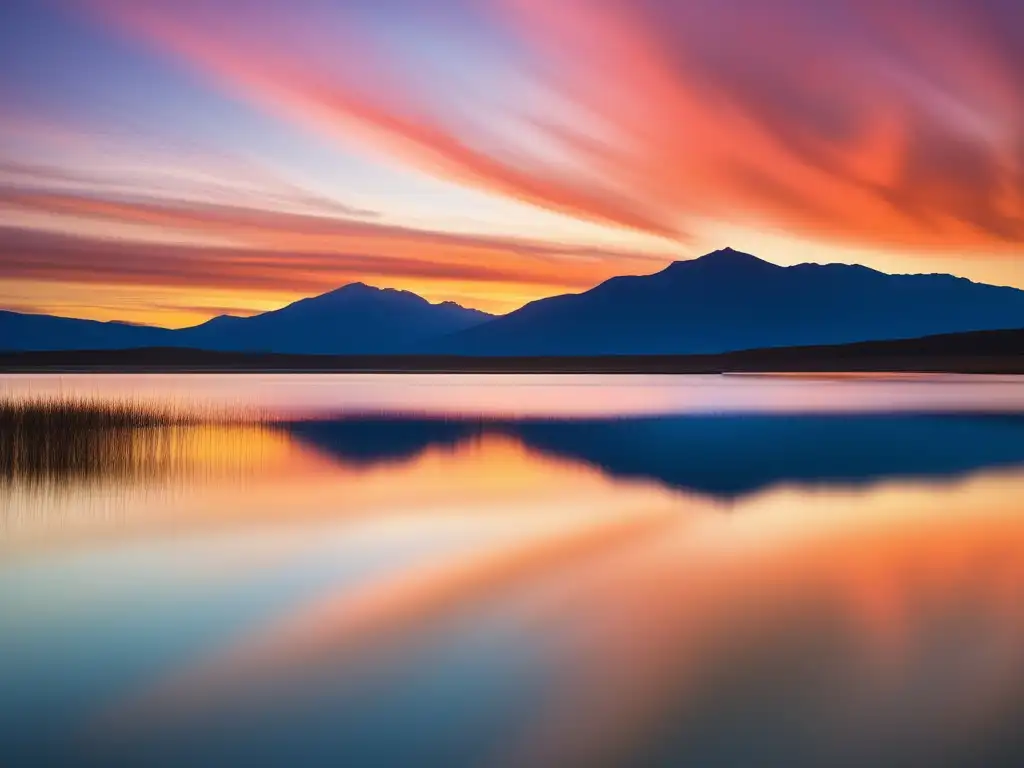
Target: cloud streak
(870,144)
(892,129)
(280,79)
(255,253)
(894,124)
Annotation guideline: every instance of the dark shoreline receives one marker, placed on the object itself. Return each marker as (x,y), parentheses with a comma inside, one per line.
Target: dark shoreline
(991,352)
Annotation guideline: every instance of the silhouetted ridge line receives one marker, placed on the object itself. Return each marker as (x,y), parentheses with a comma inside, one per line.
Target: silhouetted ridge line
(354,319)
(724,301)
(729,301)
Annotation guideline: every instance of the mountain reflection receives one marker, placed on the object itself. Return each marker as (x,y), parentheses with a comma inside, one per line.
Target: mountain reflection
(721,456)
(366,442)
(729,456)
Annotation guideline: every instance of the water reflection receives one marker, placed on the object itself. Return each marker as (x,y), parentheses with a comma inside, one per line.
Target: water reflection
(74,458)
(64,481)
(116,474)
(720,456)
(369,441)
(888,635)
(729,456)
(475,589)
(714,455)
(838,628)
(524,396)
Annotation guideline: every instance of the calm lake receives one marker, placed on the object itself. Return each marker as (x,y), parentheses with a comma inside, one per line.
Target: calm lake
(518,571)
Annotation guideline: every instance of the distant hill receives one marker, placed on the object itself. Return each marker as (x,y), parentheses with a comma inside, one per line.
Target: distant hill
(975,352)
(354,319)
(44,332)
(728,300)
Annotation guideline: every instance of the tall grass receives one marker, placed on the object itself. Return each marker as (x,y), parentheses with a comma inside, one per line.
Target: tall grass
(64,413)
(60,438)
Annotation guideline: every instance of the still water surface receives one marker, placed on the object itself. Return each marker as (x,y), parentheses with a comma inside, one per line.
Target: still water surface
(520,571)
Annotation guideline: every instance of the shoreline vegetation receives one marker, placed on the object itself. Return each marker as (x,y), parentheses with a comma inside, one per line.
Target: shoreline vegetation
(991,352)
(67,437)
(51,414)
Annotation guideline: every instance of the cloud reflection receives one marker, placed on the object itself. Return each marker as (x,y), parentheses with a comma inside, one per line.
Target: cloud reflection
(802,627)
(781,588)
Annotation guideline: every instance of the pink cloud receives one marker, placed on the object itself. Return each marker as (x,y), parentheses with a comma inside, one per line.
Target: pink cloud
(888,125)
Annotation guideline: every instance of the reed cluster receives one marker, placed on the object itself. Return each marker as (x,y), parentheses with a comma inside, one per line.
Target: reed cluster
(65,437)
(66,414)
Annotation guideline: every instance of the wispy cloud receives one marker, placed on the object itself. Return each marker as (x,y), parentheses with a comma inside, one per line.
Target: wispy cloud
(892,128)
(291,256)
(293,86)
(812,117)
(893,124)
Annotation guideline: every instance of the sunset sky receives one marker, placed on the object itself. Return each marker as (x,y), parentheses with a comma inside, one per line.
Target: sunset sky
(164,161)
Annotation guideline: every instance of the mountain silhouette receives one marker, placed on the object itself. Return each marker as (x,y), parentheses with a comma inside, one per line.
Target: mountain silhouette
(354,319)
(722,302)
(20,331)
(728,300)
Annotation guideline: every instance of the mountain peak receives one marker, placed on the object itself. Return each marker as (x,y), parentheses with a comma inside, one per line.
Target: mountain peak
(723,258)
(455,306)
(730,256)
(353,288)
(364,292)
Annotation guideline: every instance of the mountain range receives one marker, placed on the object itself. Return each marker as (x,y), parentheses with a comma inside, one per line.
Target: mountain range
(728,300)
(721,302)
(354,319)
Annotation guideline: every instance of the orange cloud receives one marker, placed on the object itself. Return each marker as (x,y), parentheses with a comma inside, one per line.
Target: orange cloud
(882,125)
(260,256)
(738,126)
